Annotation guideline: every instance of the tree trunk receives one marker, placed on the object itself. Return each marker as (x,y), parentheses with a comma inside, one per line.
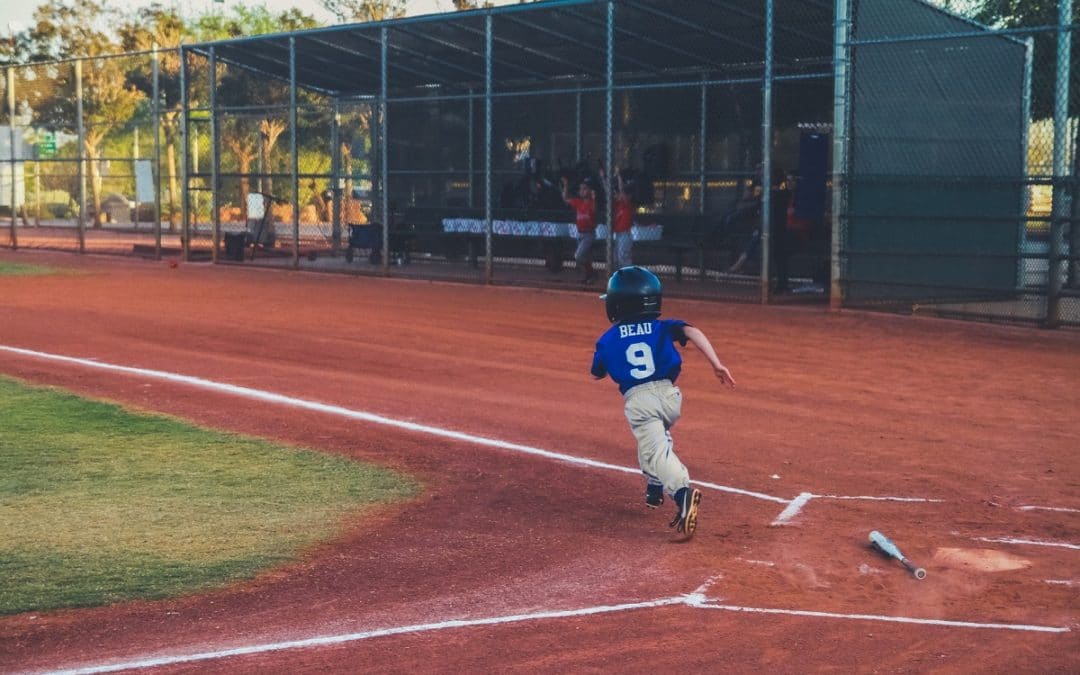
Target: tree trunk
(168,130)
(271,130)
(245,155)
(245,185)
(90,143)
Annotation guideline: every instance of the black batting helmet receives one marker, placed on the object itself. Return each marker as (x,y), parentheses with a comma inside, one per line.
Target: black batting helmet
(633,292)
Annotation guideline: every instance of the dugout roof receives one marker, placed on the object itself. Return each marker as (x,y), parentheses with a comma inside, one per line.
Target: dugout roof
(546,44)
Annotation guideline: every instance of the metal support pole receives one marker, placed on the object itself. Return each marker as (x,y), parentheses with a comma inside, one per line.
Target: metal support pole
(11,149)
(766,156)
(215,158)
(577,126)
(840,168)
(134,169)
(81,159)
(470,142)
(609,149)
(294,153)
(185,208)
(703,149)
(488,54)
(1025,134)
(335,178)
(384,145)
(156,173)
(703,146)
(1061,207)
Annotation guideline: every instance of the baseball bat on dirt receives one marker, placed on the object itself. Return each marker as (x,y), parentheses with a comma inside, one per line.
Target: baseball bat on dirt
(885,545)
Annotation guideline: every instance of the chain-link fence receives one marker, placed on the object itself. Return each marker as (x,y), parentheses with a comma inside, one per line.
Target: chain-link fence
(92,145)
(951,168)
(439,147)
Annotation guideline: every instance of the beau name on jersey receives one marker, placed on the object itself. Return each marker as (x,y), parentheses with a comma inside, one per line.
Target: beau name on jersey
(632,329)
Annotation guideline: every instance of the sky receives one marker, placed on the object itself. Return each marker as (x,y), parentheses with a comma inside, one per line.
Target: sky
(17,14)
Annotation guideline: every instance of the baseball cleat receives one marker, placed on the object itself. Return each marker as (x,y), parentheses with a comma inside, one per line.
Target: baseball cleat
(687,500)
(654,495)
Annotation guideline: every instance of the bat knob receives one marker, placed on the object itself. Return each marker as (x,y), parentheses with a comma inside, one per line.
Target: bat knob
(920,573)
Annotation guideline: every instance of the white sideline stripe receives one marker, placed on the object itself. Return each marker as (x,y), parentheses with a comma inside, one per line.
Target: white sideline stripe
(1027,542)
(696,599)
(270,397)
(792,509)
(1060,509)
(725,488)
(889,619)
(881,499)
(157,661)
(1060,582)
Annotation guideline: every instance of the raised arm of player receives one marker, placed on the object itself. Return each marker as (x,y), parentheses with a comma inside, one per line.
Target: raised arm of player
(705,347)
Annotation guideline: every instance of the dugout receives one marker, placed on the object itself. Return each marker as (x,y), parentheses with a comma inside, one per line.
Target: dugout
(438,123)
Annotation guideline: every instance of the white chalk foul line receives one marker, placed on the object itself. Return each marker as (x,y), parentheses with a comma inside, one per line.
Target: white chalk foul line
(323,641)
(1028,542)
(270,397)
(1059,509)
(795,505)
(878,617)
(880,499)
(697,599)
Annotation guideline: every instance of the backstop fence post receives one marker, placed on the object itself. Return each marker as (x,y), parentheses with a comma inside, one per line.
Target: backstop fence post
(215,156)
(156,173)
(294,151)
(609,150)
(384,163)
(488,271)
(766,155)
(840,165)
(1060,208)
(80,155)
(185,207)
(11,149)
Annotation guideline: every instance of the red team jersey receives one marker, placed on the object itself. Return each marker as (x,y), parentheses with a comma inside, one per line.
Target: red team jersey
(624,214)
(586,213)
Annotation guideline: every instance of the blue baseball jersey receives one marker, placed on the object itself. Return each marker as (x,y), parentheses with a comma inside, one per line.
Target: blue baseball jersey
(636,351)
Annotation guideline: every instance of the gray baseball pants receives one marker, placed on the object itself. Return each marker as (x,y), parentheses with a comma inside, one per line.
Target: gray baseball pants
(651,409)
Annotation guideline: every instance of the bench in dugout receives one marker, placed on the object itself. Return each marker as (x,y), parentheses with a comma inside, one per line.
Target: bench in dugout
(685,243)
(368,238)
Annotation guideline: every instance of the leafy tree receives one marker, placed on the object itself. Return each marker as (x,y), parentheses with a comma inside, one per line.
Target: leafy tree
(365,10)
(162,25)
(242,20)
(63,31)
(1013,14)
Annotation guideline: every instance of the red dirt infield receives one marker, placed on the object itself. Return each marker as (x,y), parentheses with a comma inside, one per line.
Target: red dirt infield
(520,548)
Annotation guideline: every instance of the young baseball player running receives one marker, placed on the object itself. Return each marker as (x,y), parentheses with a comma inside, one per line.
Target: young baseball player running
(639,353)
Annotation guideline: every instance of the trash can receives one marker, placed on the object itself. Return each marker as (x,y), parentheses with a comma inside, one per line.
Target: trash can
(234,245)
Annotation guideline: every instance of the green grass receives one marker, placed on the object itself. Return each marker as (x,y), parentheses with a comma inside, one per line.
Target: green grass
(99,504)
(23,270)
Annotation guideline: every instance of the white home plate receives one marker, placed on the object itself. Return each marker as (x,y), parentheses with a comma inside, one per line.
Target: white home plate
(980,559)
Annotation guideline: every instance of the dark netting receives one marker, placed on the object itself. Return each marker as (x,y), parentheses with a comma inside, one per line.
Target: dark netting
(686,122)
(947,201)
(944,183)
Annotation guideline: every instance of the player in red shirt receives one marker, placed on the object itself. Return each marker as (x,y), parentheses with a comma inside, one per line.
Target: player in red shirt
(584,206)
(623,217)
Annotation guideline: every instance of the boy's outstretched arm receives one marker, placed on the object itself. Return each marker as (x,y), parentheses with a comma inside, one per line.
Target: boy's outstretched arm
(705,347)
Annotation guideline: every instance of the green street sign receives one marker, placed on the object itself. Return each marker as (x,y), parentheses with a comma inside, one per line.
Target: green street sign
(46,147)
